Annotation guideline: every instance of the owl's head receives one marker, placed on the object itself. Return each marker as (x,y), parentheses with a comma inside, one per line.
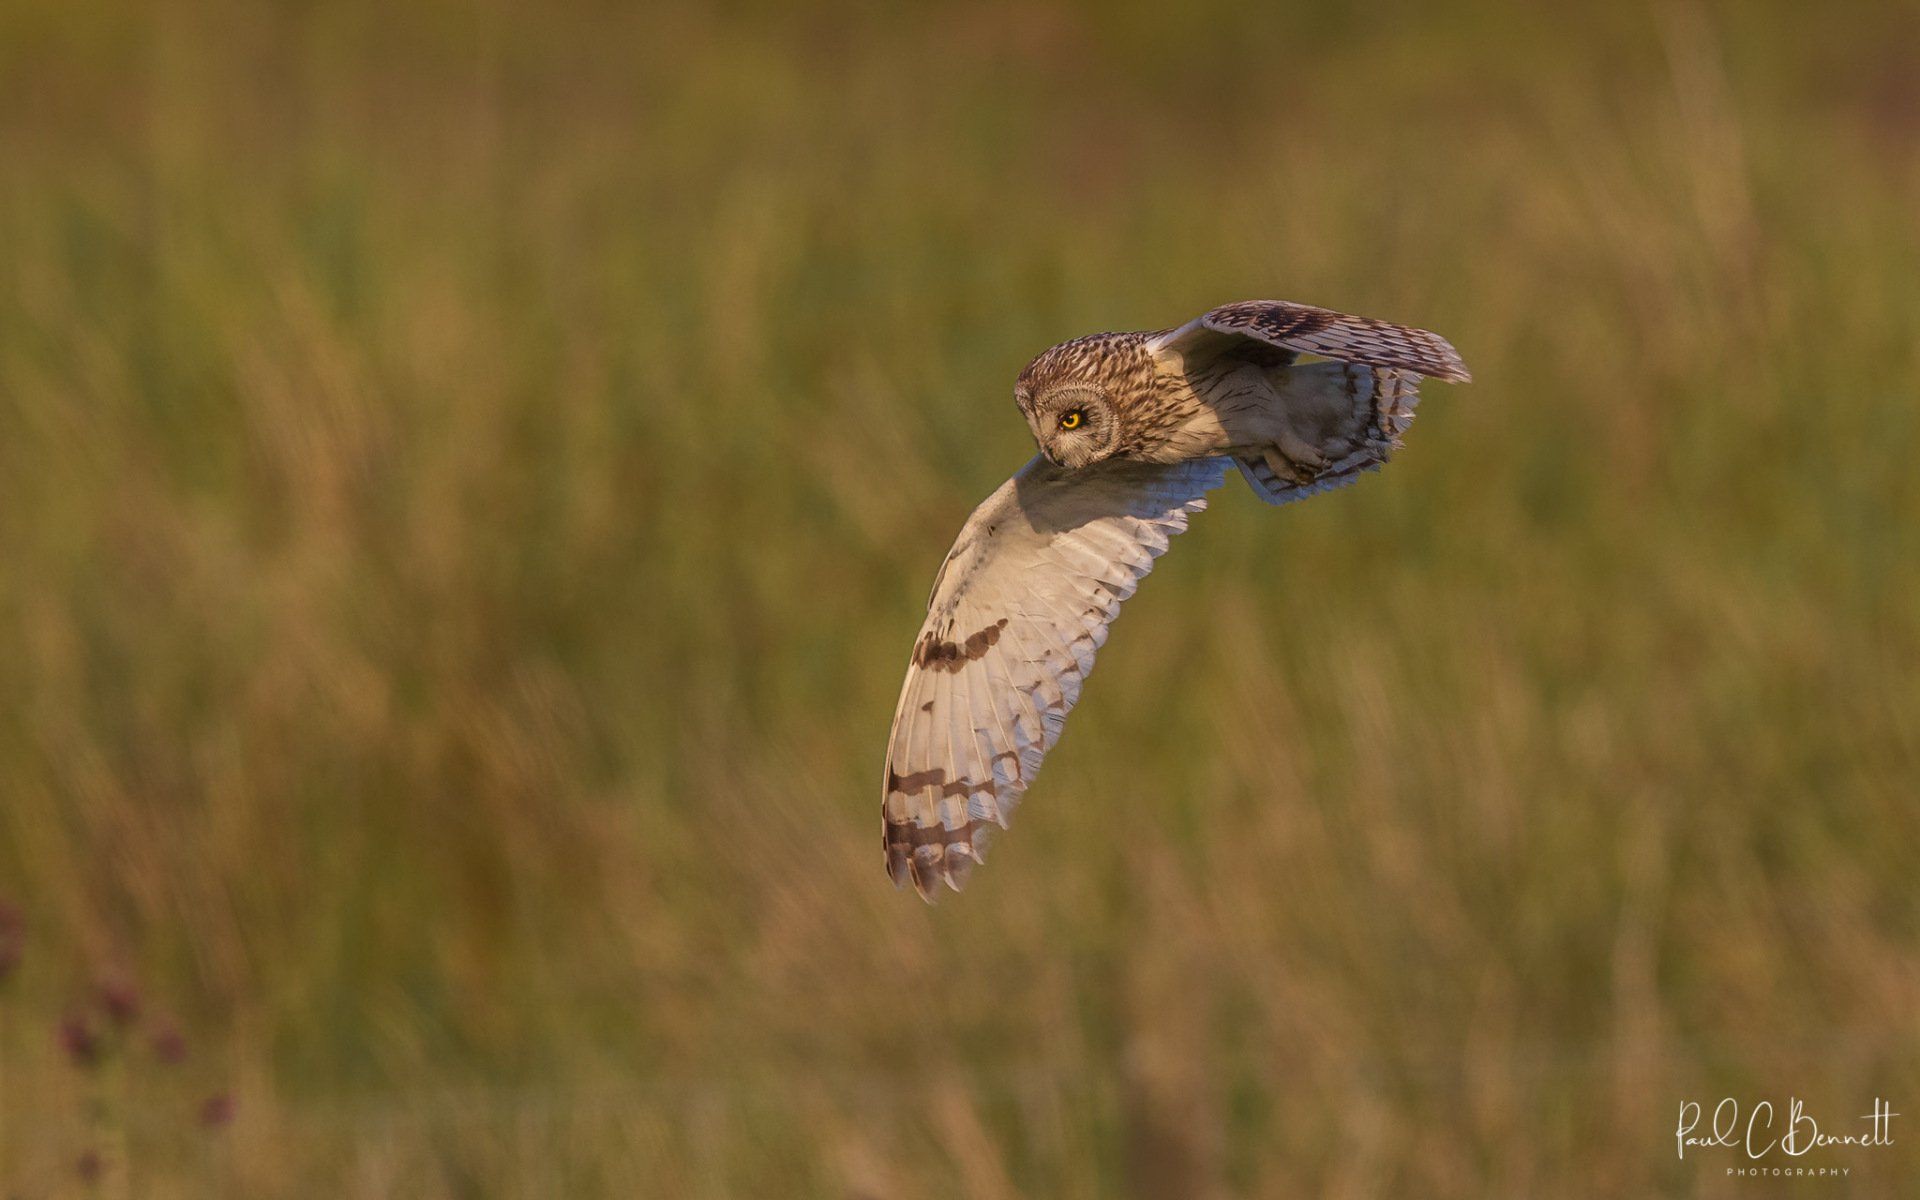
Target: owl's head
(1064,396)
(1073,426)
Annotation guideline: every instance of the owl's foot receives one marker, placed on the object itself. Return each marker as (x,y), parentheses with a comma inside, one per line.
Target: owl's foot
(1296,460)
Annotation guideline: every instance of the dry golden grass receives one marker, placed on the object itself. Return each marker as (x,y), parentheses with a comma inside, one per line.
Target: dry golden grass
(469,477)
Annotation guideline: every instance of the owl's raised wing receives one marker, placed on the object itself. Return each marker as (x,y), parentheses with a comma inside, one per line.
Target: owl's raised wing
(1304,329)
(1019,608)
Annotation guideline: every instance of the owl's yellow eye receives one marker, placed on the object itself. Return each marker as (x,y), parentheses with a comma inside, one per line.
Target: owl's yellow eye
(1072,419)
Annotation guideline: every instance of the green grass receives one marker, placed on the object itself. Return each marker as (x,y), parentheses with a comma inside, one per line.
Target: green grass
(469,479)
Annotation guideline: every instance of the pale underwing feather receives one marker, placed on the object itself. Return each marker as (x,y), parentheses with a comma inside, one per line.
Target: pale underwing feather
(1022,603)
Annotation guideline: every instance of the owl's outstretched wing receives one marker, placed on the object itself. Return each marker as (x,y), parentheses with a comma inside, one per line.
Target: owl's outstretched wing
(1294,329)
(1019,608)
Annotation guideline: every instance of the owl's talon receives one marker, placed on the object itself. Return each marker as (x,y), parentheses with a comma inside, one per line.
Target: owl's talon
(1302,469)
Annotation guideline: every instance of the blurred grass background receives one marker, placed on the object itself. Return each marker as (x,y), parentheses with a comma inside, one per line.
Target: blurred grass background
(469,480)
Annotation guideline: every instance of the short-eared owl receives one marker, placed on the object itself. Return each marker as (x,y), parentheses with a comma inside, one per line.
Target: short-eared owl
(1134,429)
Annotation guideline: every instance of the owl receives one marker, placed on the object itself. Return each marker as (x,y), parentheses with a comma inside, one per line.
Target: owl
(1133,429)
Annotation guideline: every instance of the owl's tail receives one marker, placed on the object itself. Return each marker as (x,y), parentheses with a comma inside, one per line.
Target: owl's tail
(1340,419)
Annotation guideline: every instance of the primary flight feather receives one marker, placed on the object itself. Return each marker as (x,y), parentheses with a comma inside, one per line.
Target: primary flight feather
(1133,429)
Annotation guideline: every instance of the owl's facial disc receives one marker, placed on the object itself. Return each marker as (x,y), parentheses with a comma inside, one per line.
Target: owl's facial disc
(1074,427)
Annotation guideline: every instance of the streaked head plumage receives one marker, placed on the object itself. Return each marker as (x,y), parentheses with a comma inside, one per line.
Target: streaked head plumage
(1070,396)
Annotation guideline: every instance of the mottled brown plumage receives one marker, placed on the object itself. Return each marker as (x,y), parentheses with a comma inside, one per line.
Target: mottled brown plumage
(1133,429)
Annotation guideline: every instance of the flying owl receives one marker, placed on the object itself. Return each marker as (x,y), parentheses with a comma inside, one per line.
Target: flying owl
(1133,429)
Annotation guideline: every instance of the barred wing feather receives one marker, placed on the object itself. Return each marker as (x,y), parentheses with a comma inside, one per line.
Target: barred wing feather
(1020,607)
(1307,329)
